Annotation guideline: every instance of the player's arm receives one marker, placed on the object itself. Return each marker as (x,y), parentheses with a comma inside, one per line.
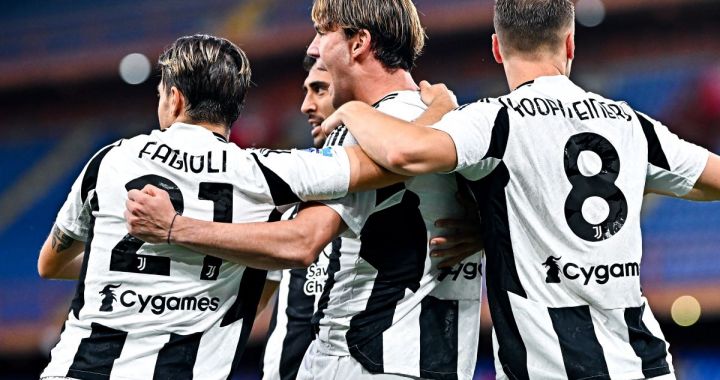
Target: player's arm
(285,244)
(60,257)
(269,289)
(400,146)
(707,187)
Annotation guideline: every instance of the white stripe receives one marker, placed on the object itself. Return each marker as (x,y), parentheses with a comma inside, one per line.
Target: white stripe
(652,324)
(401,343)
(138,356)
(64,352)
(217,350)
(544,358)
(612,334)
(468,337)
(274,346)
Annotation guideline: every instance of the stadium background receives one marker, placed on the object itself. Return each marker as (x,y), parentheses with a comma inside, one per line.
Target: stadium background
(62,97)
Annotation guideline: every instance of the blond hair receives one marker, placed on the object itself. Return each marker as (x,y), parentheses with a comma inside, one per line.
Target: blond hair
(212,74)
(397,35)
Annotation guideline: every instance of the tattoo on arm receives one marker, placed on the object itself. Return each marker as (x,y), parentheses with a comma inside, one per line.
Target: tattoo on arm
(60,241)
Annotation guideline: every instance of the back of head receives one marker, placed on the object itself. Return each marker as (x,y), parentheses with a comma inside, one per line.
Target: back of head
(397,34)
(212,74)
(532,26)
(308,63)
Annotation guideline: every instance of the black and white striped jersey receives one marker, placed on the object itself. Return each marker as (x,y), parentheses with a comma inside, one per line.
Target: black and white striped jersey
(291,330)
(385,302)
(162,311)
(560,175)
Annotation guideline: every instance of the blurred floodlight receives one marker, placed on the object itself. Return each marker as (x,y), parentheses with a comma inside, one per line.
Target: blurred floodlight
(590,13)
(135,68)
(685,311)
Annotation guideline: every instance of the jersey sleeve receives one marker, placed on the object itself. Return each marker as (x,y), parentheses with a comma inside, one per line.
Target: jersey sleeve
(354,209)
(471,129)
(304,175)
(674,165)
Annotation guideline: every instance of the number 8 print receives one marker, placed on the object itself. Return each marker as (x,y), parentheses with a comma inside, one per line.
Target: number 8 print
(600,185)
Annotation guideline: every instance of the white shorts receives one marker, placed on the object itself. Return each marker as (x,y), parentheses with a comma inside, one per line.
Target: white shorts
(318,365)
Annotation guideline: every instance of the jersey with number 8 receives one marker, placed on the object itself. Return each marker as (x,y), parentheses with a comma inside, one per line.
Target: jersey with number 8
(157,310)
(560,174)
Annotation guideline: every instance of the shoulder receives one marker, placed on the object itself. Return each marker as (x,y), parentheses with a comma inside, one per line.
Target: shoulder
(402,104)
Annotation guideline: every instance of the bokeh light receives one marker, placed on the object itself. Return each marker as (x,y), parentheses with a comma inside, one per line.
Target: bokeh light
(590,13)
(135,68)
(685,311)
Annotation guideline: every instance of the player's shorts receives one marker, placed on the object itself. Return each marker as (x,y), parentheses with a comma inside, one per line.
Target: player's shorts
(320,366)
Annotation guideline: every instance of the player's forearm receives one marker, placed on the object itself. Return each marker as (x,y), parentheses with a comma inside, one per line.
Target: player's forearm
(276,245)
(397,145)
(366,175)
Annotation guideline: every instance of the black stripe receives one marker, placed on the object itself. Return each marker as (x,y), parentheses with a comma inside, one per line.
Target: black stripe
(79,299)
(582,353)
(525,84)
(649,348)
(439,338)
(499,136)
(386,98)
(398,255)
(656,156)
(89,180)
(381,195)
(502,275)
(333,267)
(245,308)
(176,358)
(280,191)
(299,331)
(342,137)
(97,353)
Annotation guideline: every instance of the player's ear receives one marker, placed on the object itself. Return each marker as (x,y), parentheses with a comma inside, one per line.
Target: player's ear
(496,49)
(570,45)
(360,43)
(177,101)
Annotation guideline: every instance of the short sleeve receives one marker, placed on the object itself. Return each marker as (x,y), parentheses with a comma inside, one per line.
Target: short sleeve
(75,214)
(471,129)
(354,209)
(304,175)
(674,165)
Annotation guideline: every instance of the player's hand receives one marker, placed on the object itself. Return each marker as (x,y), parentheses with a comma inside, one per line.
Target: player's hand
(331,122)
(438,95)
(318,136)
(149,213)
(465,241)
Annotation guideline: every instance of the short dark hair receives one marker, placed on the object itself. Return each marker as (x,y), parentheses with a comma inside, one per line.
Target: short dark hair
(397,35)
(527,26)
(308,62)
(212,74)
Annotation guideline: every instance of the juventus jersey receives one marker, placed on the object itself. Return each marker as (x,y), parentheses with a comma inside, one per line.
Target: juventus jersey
(560,174)
(291,329)
(163,311)
(385,302)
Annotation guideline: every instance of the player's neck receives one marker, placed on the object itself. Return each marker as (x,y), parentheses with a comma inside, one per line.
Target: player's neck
(375,84)
(519,69)
(212,127)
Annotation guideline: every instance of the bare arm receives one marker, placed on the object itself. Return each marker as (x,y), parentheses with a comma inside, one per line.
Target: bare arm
(268,291)
(60,257)
(399,146)
(277,245)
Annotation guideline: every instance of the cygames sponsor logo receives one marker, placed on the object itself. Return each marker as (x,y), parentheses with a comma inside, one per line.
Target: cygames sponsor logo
(601,274)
